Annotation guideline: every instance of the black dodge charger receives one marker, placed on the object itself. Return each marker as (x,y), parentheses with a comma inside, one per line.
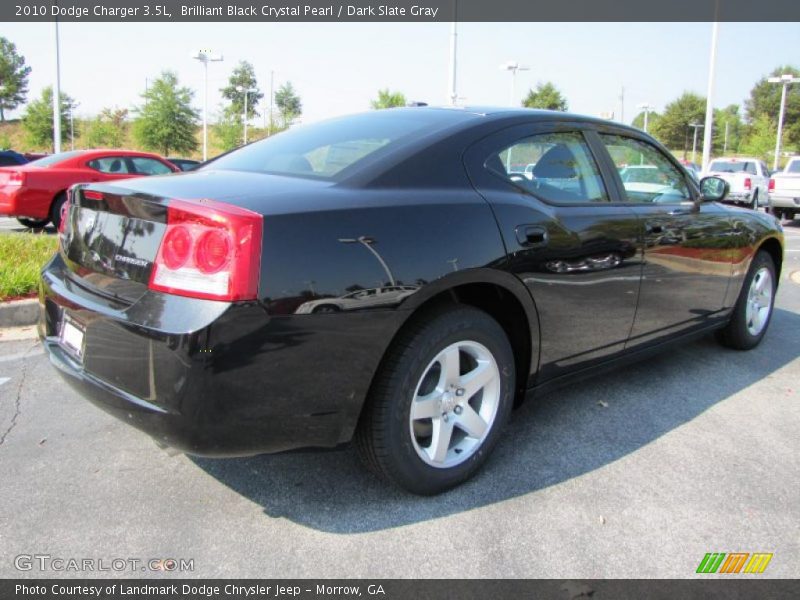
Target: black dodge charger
(400,278)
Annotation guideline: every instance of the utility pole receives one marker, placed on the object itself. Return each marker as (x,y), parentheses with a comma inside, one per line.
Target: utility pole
(206,56)
(646,108)
(785,80)
(709,124)
(725,145)
(514,67)
(452,93)
(57,98)
(694,139)
(271,98)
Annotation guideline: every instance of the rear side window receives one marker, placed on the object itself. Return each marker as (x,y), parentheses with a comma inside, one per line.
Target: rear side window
(110,164)
(325,150)
(647,175)
(149,166)
(556,167)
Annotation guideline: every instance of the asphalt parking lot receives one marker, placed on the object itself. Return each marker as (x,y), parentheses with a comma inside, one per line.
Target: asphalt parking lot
(637,474)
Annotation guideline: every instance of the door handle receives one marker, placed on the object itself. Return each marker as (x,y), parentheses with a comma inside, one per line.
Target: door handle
(532,236)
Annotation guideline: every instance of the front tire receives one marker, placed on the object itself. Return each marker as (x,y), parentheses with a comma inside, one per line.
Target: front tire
(753,310)
(439,402)
(32,223)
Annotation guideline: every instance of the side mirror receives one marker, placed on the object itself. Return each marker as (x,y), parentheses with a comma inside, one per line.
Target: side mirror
(713,189)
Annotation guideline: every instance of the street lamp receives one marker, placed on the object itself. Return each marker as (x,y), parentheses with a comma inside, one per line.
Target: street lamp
(694,140)
(205,57)
(646,108)
(245,91)
(367,242)
(513,67)
(785,80)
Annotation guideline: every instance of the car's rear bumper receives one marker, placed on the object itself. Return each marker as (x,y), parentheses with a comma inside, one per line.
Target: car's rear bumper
(9,199)
(777,201)
(211,378)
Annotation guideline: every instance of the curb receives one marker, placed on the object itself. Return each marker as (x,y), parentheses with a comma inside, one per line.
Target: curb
(19,313)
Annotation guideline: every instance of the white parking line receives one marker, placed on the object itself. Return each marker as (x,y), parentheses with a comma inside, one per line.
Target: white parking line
(4,380)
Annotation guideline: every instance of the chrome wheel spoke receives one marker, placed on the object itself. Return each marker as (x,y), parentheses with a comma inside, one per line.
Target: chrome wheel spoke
(440,442)
(759,301)
(427,407)
(476,380)
(450,360)
(471,422)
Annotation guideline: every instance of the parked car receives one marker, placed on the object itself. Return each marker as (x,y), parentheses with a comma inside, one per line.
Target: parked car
(358,300)
(164,303)
(31,156)
(35,193)
(748,179)
(185,164)
(692,168)
(784,190)
(9,158)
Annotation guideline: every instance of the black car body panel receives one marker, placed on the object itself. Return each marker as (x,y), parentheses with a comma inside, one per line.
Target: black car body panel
(422,223)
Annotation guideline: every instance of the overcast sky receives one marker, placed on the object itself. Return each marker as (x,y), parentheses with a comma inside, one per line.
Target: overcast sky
(337,68)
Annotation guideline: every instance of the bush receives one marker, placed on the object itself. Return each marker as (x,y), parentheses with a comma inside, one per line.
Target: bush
(22,256)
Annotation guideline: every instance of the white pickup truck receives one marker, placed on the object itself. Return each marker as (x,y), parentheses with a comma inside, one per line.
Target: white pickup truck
(784,190)
(748,179)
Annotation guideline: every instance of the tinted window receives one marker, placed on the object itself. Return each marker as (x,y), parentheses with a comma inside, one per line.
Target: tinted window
(556,167)
(793,167)
(647,174)
(149,166)
(55,158)
(324,150)
(110,164)
(731,166)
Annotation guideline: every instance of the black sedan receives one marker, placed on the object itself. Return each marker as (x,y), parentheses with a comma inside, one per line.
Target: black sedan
(454,285)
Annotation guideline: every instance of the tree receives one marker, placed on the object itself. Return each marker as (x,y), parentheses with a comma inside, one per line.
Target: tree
(288,103)
(727,116)
(765,99)
(167,120)
(13,78)
(107,130)
(242,78)
(545,96)
(672,128)
(228,129)
(652,119)
(38,119)
(388,99)
(760,140)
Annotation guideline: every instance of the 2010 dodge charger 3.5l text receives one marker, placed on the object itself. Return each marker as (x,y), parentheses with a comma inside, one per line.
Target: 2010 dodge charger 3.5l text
(399,278)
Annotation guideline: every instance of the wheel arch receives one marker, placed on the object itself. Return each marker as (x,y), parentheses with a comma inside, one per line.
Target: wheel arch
(774,248)
(501,295)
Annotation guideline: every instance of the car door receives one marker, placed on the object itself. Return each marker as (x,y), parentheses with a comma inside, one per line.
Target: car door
(109,168)
(565,239)
(688,246)
(144,165)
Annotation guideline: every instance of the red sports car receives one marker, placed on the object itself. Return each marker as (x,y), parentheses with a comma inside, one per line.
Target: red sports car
(35,192)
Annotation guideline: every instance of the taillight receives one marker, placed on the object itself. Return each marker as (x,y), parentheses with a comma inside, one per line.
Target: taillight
(16,178)
(209,250)
(748,183)
(771,185)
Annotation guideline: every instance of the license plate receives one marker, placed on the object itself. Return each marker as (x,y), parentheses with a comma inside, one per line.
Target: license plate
(72,336)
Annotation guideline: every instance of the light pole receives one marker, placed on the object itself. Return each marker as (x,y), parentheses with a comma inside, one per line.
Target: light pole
(57,98)
(452,93)
(71,127)
(785,80)
(514,67)
(694,139)
(205,57)
(245,91)
(367,242)
(646,108)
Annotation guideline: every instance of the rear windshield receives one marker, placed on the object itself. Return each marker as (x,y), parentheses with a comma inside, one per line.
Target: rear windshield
(324,150)
(793,167)
(54,158)
(724,166)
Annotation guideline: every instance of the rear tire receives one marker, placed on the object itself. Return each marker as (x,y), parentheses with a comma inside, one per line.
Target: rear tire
(438,404)
(55,210)
(753,310)
(32,223)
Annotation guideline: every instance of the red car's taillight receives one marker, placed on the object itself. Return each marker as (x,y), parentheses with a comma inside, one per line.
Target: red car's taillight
(748,183)
(16,178)
(771,185)
(210,250)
